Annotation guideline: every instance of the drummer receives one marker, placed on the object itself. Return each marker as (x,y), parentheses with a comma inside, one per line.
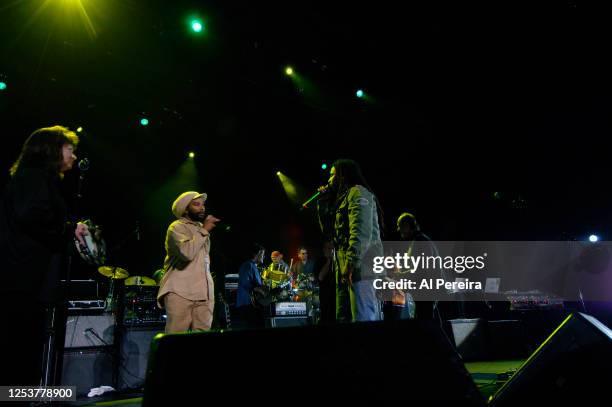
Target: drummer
(303,268)
(277,264)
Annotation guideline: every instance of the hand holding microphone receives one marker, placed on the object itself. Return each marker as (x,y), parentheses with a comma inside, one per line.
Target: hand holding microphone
(210,222)
(324,189)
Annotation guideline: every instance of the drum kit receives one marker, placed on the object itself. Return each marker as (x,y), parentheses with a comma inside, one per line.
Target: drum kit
(140,293)
(139,299)
(279,286)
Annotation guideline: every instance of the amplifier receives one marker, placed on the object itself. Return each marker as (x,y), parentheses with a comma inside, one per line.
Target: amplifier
(86,305)
(141,313)
(231,288)
(140,307)
(279,322)
(83,289)
(135,346)
(90,330)
(533,300)
(87,368)
(289,309)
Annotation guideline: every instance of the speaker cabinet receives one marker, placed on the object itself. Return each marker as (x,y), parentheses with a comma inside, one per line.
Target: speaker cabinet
(87,368)
(278,322)
(135,348)
(352,364)
(573,365)
(85,330)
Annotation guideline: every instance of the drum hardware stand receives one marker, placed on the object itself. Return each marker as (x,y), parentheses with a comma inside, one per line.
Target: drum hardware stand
(109,303)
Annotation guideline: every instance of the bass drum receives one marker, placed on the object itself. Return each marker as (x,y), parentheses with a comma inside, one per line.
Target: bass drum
(94,249)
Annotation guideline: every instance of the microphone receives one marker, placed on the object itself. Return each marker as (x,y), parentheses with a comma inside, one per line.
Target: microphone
(84,164)
(223,226)
(220,224)
(317,195)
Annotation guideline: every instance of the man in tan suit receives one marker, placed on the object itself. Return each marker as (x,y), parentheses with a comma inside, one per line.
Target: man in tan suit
(187,289)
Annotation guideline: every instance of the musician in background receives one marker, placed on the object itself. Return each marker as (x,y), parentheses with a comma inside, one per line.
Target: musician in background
(34,238)
(304,267)
(249,280)
(418,243)
(187,290)
(278,264)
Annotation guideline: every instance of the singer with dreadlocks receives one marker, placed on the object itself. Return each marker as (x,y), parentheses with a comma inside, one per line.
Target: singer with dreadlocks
(349,214)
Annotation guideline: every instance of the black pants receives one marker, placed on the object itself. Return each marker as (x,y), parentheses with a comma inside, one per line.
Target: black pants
(327,301)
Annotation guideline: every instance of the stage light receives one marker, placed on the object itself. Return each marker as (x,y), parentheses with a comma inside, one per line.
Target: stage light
(289,71)
(144,121)
(324,166)
(359,93)
(593,238)
(289,186)
(197,26)
(191,154)
(79,129)
(2,85)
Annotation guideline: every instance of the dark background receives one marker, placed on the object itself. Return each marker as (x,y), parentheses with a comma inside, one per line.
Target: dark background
(466,99)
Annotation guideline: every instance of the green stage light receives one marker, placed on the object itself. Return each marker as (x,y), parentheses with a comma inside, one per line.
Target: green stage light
(79,129)
(324,166)
(278,173)
(359,93)
(144,121)
(191,154)
(289,71)
(197,26)
(2,85)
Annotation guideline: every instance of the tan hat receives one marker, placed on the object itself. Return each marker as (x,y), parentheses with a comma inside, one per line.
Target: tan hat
(182,202)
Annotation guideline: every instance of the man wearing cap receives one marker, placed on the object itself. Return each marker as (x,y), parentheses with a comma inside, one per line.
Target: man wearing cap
(186,289)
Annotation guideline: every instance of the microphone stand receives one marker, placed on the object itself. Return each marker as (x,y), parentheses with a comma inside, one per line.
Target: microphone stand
(56,314)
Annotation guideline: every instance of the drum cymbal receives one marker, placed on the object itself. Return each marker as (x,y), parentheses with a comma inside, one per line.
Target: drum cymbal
(113,272)
(140,280)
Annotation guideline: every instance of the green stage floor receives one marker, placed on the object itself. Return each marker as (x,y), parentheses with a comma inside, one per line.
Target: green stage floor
(489,376)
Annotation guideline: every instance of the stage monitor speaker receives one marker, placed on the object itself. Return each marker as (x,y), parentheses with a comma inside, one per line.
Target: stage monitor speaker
(470,338)
(573,364)
(507,340)
(87,368)
(377,363)
(135,347)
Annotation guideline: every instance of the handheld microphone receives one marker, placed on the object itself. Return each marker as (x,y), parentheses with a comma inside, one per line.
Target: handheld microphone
(223,226)
(315,196)
(220,224)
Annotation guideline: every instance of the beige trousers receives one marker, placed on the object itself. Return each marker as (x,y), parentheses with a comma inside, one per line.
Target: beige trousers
(184,314)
